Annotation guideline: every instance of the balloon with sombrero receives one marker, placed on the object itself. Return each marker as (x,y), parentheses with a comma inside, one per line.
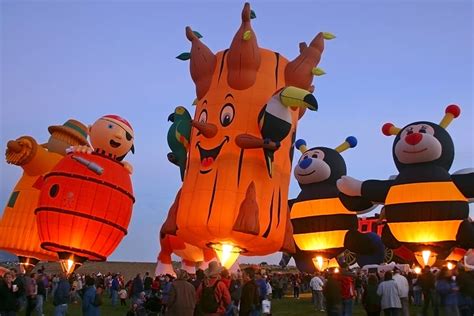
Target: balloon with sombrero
(18,230)
(86,201)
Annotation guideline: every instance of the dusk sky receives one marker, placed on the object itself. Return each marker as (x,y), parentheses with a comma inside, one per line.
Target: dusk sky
(392,61)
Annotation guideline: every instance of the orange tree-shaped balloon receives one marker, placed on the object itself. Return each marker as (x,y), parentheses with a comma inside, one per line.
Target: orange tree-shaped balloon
(249,101)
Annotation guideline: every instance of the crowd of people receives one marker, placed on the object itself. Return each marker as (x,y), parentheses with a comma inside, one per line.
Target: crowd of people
(247,292)
(442,291)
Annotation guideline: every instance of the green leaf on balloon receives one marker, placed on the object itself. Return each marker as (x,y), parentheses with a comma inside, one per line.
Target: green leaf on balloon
(184,56)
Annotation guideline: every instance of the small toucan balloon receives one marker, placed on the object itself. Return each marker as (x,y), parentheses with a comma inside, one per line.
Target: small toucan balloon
(179,134)
(426,207)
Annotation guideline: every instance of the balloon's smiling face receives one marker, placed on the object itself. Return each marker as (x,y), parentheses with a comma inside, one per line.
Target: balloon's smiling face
(417,144)
(312,168)
(111,136)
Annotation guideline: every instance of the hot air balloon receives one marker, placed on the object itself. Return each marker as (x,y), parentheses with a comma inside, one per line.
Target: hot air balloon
(86,201)
(322,226)
(18,231)
(425,206)
(249,100)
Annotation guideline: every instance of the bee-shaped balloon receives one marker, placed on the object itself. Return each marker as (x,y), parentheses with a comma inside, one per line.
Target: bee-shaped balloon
(425,206)
(322,226)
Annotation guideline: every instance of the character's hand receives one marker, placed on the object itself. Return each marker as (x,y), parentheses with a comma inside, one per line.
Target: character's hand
(349,186)
(80,149)
(127,166)
(20,151)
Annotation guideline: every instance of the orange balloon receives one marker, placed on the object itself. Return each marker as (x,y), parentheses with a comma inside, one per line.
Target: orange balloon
(85,206)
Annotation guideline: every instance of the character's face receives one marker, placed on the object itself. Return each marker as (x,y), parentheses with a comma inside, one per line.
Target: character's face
(108,135)
(221,114)
(312,168)
(417,144)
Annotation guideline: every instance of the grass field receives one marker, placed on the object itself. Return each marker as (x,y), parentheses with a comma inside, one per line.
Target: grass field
(285,307)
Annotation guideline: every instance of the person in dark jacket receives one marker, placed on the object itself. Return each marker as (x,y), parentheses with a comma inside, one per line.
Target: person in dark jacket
(370,298)
(182,296)
(427,284)
(137,287)
(61,296)
(147,282)
(114,289)
(8,295)
(249,299)
(448,292)
(332,294)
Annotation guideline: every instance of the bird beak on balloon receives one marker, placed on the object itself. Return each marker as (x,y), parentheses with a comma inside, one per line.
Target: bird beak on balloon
(208,130)
(171,118)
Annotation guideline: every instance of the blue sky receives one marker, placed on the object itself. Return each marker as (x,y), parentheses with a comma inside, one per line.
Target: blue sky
(397,61)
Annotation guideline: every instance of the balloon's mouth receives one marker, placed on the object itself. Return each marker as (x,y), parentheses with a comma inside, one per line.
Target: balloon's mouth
(114,144)
(208,156)
(415,152)
(306,174)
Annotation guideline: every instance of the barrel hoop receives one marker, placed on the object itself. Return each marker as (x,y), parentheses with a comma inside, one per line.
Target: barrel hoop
(79,214)
(91,179)
(48,245)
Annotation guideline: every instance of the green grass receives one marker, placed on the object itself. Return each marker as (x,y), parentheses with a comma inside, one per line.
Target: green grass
(288,306)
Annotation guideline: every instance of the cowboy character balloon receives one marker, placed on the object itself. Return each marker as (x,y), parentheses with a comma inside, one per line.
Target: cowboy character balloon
(426,207)
(18,231)
(322,226)
(249,100)
(86,201)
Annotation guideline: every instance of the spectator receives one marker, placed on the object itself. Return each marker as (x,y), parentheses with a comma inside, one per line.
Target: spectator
(147,283)
(225,277)
(296,287)
(61,295)
(31,293)
(212,295)
(235,289)
(346,279)
(123,297)
(448,292)
(316,284)
(182,296)
(199,278)
(332,295)
(41,295)
(8,295)
(114,289)
(402,284)
(390,294)
(166,288)
(155,286)
(465,282)
(370,298)
(91,300)
(137,287)
(416,291)
(20,281)
(262,285)
(427,283)
(249,300)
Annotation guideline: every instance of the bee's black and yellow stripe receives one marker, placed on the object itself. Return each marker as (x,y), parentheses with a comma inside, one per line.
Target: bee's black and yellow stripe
(425,212)
(321,223)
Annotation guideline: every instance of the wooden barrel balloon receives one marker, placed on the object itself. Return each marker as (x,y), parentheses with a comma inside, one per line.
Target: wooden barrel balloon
(85,206)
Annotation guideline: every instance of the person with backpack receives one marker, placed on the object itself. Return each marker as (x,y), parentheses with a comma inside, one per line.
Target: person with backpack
(91,300)
(212,295)
(249,299)
(182,296)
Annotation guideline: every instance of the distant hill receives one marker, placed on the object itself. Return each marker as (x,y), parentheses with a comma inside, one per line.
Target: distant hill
(7,257)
